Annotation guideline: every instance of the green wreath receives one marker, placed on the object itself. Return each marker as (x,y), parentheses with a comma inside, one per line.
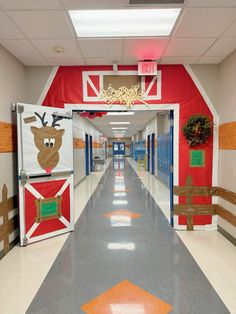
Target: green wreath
(197,130)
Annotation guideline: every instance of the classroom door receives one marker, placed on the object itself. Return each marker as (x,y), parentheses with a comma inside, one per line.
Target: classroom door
(118,148)
(45,172)
(91,153)
(148,153)
(86,154)
(153,154)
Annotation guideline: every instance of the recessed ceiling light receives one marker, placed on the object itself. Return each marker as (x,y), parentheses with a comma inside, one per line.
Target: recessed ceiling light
(119,128)
(58,49)
(124,23)
(119,122)
(125,113)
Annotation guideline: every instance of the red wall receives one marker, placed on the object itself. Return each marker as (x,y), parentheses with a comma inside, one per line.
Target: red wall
(177,87)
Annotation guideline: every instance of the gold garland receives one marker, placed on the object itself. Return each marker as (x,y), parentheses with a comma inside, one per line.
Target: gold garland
(123,95)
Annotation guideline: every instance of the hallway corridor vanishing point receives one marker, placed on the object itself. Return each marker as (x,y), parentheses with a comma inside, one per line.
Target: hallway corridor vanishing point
(124,258)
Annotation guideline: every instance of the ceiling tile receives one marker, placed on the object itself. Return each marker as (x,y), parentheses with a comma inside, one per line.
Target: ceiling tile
(34,61)
(101,48)
(45,47)
(211,3)
(210,59)
(101,61)
(205,22)
(30,4)
(7,28)
(66,61)
(142,49)
(179,60)
(231,31)
(191,47)
(223,47)
(20,48)
(42,24)
(91,4)
(129,61)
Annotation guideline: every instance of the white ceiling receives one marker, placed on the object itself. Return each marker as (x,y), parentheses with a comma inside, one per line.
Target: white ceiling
(204,33)
(137,122)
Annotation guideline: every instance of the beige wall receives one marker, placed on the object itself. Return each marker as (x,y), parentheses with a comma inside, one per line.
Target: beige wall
(12,89)
(227,113)
(36,78)
(219,82)
(208,75)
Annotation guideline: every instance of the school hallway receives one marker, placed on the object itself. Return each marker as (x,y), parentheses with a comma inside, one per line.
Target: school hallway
(124,257)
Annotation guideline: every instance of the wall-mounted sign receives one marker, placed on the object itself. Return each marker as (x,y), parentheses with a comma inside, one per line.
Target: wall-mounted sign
(197,158)
(147,68)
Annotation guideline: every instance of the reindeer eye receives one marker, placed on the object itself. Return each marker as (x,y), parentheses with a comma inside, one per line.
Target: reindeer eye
(52,142)
(46,142)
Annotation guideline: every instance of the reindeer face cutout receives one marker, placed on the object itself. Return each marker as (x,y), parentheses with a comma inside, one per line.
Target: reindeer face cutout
(48,140)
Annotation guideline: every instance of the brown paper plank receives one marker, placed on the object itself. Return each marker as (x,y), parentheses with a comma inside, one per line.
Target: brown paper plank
(186,209)
(226,215)
(7,138)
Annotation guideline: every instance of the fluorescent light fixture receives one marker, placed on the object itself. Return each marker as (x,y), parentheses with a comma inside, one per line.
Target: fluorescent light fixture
(119,123)
(125,113)
(119,128)
(124,23)
(118,132)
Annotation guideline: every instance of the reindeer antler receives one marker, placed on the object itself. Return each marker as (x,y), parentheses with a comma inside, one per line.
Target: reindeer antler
(55,120)
(44,123)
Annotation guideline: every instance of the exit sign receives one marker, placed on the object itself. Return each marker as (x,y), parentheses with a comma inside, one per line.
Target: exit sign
(147,68)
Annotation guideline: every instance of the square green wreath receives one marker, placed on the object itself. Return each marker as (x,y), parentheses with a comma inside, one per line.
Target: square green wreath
(197,158)
(48,208)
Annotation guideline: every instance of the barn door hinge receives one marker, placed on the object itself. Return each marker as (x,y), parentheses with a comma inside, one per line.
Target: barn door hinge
(25,241)
(20,109)
(13,107)
(23,177)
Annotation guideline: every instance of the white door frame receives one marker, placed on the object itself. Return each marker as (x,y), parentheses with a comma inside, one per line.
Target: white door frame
(162,107)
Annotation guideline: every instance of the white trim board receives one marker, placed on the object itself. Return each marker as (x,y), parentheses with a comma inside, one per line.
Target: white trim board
(167,107)
(86,80)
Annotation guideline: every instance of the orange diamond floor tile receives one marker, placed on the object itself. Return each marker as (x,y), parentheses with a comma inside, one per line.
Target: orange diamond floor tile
(126,298)
(122,212)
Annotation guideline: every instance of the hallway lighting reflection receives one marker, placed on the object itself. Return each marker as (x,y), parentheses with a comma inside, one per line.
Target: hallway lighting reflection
(129,246)
(119,187)
(119,194)
(119,178)
(120,221)
(120,202)
(127,308)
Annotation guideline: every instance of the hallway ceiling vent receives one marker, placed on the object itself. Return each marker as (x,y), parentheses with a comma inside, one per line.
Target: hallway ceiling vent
(133,2)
